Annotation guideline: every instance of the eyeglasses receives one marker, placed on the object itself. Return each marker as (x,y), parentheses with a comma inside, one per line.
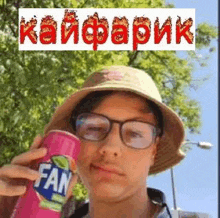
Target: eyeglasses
(133,133)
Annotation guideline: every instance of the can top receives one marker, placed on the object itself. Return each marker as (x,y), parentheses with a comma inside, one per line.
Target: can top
(62,132)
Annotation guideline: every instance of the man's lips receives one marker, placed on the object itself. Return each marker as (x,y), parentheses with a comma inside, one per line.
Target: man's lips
(110,169)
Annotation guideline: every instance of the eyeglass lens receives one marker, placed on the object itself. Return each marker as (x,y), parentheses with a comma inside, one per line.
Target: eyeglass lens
(134,134)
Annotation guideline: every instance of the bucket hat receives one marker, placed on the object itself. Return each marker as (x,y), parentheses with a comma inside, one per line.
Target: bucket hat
(123,78)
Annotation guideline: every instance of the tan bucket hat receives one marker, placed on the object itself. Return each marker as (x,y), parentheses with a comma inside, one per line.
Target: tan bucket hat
(122,78)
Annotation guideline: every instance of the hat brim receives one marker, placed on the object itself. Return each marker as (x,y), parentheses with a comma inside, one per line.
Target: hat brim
(168,151)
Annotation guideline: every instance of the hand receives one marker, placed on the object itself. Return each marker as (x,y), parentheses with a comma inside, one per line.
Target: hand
(14,177)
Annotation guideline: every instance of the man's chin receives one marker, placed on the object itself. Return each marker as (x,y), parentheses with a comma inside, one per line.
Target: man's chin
(107,191)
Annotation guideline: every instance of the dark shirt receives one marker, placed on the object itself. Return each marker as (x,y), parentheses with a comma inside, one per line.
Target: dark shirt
(155,195)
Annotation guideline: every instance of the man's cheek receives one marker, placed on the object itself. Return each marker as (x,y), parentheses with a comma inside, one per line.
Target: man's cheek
(83,162)
(86,151)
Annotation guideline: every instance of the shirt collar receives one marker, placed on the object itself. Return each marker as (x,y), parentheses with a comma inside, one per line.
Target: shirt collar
(158,197)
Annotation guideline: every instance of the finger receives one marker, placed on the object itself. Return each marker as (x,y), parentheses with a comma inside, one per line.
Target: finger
(10,190)
(37,142)
(29,156)
(16,171)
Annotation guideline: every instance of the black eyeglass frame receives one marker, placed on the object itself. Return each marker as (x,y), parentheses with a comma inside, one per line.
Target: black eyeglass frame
(121,123)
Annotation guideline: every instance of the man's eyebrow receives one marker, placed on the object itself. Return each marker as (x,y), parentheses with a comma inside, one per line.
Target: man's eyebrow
(146,110)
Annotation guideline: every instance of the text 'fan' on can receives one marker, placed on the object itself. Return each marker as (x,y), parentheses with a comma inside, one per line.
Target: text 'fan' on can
(46,196)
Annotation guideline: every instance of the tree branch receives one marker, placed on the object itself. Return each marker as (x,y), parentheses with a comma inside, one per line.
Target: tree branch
(157,56)
(133,57)
(14,21)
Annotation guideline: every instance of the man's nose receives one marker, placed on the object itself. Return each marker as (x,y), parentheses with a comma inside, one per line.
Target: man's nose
(112,145)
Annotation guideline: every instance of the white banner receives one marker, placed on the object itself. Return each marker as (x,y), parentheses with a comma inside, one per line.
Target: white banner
(106,29)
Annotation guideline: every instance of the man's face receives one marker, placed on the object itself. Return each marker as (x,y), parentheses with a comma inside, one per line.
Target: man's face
(134,164)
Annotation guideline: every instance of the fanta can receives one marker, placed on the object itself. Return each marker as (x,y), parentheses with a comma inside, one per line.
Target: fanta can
(45,197)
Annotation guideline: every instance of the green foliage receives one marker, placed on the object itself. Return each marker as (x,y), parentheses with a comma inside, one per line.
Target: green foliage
(33,84)
(80,192)
(205,33)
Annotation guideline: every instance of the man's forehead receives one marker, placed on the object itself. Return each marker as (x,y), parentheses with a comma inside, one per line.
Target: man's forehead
(144,107)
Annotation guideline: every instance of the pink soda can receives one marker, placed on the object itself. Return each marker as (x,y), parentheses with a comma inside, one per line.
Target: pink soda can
(45,197)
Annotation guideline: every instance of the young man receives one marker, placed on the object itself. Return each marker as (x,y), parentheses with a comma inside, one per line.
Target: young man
(126,134)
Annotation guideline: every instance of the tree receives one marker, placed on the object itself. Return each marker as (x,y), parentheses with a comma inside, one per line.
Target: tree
(33,84)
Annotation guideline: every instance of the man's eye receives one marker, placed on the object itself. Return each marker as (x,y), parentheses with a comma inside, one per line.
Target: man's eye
(135,135)
(95,129)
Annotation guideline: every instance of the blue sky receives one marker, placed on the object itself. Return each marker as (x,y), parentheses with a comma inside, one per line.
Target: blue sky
(196,176)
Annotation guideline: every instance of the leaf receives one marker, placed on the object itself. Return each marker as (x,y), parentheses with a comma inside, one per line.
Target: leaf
(23,79)
(61,161)
(80,81)
(1,125)
(16,119)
